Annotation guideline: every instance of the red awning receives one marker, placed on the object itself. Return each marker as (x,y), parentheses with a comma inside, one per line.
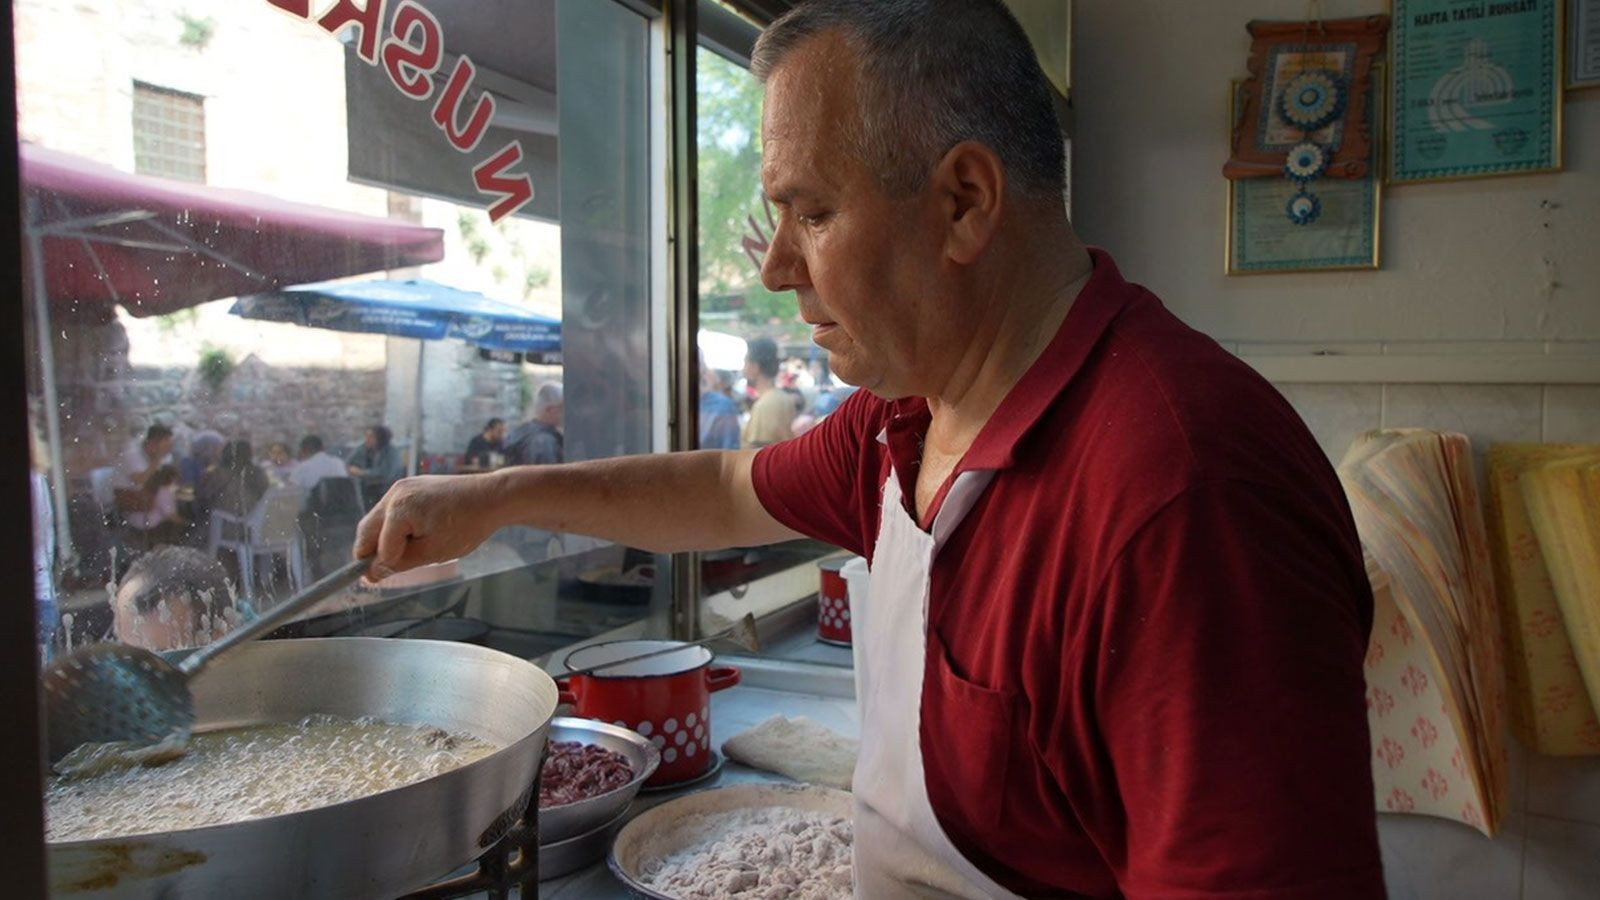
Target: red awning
(154,245)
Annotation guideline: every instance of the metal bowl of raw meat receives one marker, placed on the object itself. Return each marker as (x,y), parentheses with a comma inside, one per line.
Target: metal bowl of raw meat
(557,823)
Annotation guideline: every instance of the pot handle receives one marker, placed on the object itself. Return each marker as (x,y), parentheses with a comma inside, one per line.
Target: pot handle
(719,678)
(567,693)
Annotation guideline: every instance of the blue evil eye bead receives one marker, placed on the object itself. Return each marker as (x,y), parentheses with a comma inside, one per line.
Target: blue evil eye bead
(1312,99)
(1306,161)
(1303,208)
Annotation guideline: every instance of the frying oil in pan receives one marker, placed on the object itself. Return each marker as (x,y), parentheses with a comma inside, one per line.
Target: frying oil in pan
(247,773)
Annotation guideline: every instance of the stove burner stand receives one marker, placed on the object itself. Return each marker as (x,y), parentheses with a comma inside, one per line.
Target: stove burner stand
(512,861)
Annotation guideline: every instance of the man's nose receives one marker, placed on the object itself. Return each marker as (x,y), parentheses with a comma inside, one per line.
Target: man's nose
(783,269)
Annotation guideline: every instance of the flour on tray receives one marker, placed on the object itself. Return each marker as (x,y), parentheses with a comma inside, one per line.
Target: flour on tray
(769,853)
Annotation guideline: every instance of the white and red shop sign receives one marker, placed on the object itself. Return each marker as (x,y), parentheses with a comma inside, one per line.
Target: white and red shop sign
(411,52)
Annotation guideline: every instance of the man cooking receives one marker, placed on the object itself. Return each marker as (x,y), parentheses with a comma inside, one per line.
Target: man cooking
(1113,644)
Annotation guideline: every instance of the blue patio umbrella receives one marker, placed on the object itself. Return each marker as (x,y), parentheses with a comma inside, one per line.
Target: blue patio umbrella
(414,308)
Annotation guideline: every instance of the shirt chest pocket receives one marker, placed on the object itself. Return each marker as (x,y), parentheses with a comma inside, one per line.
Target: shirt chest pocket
(967,736)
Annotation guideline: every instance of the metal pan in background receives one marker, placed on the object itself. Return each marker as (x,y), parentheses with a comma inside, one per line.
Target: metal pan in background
(580,852)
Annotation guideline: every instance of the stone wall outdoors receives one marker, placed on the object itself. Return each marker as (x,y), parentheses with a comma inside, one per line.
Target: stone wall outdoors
(105,401)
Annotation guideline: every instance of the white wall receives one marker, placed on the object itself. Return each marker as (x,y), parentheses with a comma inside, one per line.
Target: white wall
(1484,319)
(1483,260)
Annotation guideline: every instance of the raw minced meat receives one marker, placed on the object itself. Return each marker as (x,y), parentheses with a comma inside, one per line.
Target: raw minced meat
(574,771)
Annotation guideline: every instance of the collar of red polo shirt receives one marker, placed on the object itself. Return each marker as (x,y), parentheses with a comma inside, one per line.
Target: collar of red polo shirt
(1103,297)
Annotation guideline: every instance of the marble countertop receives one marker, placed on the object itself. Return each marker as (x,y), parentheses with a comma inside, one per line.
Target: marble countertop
(732,711)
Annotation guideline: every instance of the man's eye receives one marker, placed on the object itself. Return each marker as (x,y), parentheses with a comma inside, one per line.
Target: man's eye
(812,219)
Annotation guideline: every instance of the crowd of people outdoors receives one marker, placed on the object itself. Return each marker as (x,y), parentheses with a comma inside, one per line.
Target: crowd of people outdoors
(167,506)
(771,400)
(165,495)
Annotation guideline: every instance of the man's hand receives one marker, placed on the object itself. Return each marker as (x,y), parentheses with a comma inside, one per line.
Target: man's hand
(434,518)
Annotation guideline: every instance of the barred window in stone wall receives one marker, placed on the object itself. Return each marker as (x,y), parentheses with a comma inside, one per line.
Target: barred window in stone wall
(169,133)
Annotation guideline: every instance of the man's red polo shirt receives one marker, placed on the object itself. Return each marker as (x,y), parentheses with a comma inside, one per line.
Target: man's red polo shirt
(1145,640)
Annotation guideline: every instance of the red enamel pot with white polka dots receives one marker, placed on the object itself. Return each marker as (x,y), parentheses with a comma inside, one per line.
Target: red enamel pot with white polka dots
(666,698)
(833,603)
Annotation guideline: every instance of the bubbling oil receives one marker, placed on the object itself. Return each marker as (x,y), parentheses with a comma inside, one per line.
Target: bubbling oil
(235,774)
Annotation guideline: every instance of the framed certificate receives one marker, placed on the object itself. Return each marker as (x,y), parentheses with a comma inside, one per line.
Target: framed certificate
(1583,43)
(1262,240)
(1476,88)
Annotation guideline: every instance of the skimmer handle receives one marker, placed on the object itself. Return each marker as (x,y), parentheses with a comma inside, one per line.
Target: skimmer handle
(330,584)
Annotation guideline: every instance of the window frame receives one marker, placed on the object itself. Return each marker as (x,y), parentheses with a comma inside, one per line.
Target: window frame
(159,163)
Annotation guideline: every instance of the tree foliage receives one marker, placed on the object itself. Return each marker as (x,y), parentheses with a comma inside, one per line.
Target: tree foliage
(729,142)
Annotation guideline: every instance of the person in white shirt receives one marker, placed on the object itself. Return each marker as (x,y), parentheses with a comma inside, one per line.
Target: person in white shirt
(138,463)
(316,464)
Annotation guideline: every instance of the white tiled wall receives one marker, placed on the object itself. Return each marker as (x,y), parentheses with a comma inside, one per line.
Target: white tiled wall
(1549,848)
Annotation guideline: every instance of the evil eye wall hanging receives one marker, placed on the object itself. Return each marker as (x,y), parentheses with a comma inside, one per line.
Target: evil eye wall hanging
(1306,162)
(1303,208)
(1310,101)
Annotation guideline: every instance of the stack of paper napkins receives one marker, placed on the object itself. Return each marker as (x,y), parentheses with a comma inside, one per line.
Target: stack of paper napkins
(1435,665)
(1544,524)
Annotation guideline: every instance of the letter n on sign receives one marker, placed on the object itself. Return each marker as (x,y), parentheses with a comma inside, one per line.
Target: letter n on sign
(516,190)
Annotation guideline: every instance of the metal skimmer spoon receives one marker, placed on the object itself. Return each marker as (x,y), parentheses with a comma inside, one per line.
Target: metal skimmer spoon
(113,692)
(742,632)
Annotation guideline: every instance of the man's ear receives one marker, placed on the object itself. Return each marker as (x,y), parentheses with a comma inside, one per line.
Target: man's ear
(971,185)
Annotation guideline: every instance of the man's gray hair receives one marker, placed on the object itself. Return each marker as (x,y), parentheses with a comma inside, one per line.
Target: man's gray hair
(548,395)
(935,73)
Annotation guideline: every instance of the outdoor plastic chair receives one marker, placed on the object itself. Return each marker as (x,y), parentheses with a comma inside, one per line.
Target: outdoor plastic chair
(328,523)
(272,529)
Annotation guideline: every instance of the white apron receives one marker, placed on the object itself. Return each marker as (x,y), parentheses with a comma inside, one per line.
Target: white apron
(900,849)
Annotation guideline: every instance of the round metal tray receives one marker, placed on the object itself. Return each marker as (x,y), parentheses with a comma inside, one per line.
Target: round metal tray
(574,853)
(710,773)
(558,823)
(648,836)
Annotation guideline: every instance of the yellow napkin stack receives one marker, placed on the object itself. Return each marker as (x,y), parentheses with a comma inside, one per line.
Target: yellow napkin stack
(1545,515)
(1436,696)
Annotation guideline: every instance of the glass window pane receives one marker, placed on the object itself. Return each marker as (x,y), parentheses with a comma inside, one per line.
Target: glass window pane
(246,233)
(762,379)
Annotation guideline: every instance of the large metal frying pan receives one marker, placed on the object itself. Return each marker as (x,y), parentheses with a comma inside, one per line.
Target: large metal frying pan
(379,846)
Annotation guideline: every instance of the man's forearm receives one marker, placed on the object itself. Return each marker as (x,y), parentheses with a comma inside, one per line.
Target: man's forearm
(665,502)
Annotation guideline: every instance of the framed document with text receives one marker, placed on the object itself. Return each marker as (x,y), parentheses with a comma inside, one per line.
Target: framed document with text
(1345,235)
(1583,43)
(1476,88)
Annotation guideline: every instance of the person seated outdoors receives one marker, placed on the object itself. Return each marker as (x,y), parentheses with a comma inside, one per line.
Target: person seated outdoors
(316,464)
(278,464)
(234,485)
(137,464)
(774,409)
(539,441)
(487,446)
(159,522)
(377,459)
(172,598)
(205,448)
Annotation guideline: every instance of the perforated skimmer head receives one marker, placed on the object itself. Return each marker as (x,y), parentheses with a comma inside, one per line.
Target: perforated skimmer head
(112,692)
(106,693)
